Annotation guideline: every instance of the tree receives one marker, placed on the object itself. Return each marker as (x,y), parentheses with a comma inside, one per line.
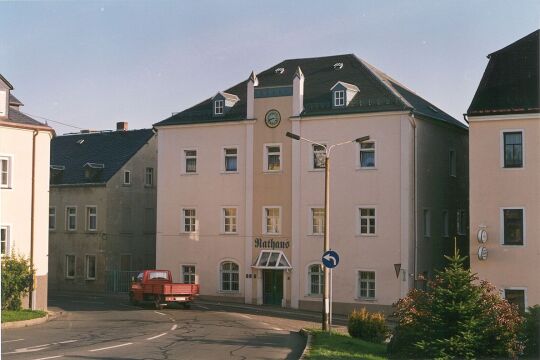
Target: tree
(17,278)
(456,318)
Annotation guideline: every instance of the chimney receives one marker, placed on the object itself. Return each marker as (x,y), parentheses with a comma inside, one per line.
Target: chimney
(252,82)
(122,126)
(298,92)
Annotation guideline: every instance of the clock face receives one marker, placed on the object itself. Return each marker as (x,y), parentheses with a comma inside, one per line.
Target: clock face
(272,118)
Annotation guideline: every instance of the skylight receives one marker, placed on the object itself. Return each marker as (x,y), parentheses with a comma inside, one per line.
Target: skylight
(279,70)
(338,66)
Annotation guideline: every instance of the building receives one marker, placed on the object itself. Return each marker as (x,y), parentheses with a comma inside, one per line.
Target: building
(504,118)
(240,205)
(24,189)
(102,209)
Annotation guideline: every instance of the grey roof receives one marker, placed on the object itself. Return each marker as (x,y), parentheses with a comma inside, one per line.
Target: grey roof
(6,82)
(17,117)
(112,149)
(376,93)
(14,101)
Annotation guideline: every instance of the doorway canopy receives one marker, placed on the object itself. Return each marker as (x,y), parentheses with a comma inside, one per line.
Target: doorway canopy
(272,259)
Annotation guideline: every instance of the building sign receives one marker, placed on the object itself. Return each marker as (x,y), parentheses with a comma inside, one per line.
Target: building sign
(271,244)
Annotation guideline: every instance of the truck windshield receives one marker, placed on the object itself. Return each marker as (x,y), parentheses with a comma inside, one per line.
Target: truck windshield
(158,275)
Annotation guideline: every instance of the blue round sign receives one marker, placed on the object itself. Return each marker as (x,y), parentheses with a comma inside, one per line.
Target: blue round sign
(330,259)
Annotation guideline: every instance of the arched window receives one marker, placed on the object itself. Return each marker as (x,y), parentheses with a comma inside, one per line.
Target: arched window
(316,279)
(229,274)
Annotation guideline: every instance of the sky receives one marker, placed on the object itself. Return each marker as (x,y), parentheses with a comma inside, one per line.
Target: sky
(90,64)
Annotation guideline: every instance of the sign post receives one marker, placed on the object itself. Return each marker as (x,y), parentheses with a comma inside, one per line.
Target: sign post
(330,260)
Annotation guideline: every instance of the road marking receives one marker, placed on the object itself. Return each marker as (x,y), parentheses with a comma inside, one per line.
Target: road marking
(110,347)
(8,341)
(67,341)
(245,316)
(157,336)
(38,347)
(157,312)
(50,357)
(174,327)
(277,329)
(203,307)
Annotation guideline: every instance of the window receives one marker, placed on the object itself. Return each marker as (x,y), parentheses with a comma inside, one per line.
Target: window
(149,176)
(367,155)
(367,221)
(229,220)
(513,149)
(272,158)
(516,297)
(317,221)
(4,239)
(188,274)
(452,162)
(427,223)
(513,227)
(127,177)
(218,107)
(366,284)
(189,220)
(125,262)
(91,218)
(319,156)
(316,279)
(339,97)
(52,218)
(70,266)
(231,159)
(461,222)
(229,273)
(90,267)
(71,218)
(191,161)
(445,223)
(5,172)
(272,221)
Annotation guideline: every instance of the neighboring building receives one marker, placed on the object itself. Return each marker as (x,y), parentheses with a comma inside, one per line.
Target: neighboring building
(24,189)
(102,208)
(240,205)
(504,119)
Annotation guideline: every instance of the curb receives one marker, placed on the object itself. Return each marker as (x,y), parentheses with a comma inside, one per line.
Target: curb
(306,333)
(24,323)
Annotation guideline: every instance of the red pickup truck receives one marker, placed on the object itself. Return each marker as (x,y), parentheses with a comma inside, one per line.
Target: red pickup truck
(156,286)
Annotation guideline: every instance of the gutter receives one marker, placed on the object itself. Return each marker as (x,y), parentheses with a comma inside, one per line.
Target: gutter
(32,220)
(412,120)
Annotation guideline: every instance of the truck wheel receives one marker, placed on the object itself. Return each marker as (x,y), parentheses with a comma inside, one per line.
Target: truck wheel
(186,305)
(157,303)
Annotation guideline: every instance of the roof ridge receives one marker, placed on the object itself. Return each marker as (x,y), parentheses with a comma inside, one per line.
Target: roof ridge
(536,32)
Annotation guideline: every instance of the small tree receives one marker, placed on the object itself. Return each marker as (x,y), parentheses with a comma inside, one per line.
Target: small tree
(531,333)
(17,277)
(456,318)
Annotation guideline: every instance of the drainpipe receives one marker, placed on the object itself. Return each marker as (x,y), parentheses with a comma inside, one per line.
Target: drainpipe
(32,209)
(412,120)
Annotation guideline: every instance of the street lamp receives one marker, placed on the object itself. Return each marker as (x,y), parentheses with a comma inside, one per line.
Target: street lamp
(327,151)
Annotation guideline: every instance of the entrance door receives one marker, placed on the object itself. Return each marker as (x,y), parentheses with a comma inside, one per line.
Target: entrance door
(272,287)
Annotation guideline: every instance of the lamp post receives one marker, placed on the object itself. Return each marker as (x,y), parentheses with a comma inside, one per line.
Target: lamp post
(327,151)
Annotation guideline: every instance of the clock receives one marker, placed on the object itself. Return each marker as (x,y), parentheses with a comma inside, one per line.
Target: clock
(272,118)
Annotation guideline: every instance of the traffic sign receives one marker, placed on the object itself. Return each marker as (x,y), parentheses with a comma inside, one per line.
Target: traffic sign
(330,259)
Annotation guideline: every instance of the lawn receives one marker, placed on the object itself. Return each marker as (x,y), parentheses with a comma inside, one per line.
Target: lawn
(11,315)
(337,346)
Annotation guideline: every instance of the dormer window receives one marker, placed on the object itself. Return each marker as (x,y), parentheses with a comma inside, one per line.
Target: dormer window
(339,98)
(56,173)
(93,170)
(223,102)
(218,107)
(343,93)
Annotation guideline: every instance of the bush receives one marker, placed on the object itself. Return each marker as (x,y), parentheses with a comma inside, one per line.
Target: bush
(367,326)
(530,334)
(17,277)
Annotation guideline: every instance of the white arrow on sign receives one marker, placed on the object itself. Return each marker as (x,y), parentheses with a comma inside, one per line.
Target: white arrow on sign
(330,258)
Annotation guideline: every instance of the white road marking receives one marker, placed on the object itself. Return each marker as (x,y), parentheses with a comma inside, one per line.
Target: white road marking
(110,347)
(157,336)
(38,347)
(8,341)
(157,312)
(50,357)
(245,316)
(203,307)
(277,329)
(174,327)
(67,341)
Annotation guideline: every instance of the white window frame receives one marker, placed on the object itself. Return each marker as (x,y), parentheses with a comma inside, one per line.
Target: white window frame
(9,177)
(314,152)
(501,229)
(501,149)
(185,158)
(89,215)
(183,273)
(87,266)
(220,274)
(359,288)
(264,220)
(149,176)
(66,264)
(359,157)
(525,300)
(308,282)
(224,216)
(224,159)
(445,221)
(426,220)
(267,154)
(68,215)
(53,215)
(359,220)
(195,224)
(452,163)
(219,107)
(128,173)
(311,221)
(7,231)
(339,98)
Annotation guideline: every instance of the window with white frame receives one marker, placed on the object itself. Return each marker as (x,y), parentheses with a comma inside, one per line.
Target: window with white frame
(127,177)
(52,218)
(339,98)
(90,267)
(513,149)
(513,226)
(317,221)
(229,276)
(367,221)
(272,220)
(188,274)
(231,159)
(190,157)
(452,162)
(149,176)
(461,222)
(445,223)
(272,157)
(5,172)
(4,240)
(71,218)
(70,266)
(319,156)
(367,155)
(516,297)
(229,220)
(366,284)
(91,218)
(316,279)
(427,223)
(189,220)
(218,107)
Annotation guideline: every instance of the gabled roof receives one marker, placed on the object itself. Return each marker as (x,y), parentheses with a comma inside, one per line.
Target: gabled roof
(227,96)
(320,75)
(4,80)
(108,151)
(17,117)
(14,101)
(346,86)
(510,84)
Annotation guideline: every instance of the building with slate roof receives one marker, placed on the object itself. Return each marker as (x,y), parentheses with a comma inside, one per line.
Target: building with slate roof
(241,206)
(102,209)
(504,118)
(24,189)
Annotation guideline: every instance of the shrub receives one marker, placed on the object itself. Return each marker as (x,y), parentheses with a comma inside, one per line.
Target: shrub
(17,277)
(367,326)
(530,333)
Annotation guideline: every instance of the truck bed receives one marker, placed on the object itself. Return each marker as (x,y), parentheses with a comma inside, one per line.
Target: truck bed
(171,289)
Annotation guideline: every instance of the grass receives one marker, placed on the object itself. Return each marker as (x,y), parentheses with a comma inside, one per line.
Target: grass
(337,346)
(19,315)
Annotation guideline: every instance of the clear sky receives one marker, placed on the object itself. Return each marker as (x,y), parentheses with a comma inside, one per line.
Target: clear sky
(91,64)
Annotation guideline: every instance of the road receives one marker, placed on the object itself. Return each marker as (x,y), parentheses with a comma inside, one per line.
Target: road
(108,328)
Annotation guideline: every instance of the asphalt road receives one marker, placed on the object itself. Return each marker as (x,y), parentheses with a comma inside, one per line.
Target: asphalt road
(108,328)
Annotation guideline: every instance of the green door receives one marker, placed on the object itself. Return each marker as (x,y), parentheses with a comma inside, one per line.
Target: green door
(272,287)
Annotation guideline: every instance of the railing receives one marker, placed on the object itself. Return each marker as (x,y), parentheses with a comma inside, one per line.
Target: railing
(119,281)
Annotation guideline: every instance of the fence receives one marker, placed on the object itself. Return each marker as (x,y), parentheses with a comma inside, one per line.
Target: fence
(119,281)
